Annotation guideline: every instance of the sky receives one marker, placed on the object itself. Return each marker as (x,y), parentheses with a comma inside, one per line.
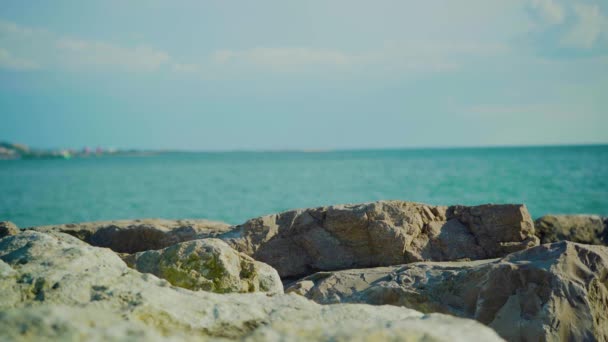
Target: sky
(276,75)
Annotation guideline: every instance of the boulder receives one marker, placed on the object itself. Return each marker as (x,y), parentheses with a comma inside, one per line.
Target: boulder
(57,287)
(209,265)
(589,229)
(8,228)
(552,292)
(300,242)
(132,236)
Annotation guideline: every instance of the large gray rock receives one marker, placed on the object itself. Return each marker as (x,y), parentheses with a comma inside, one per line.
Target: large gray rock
(209,265)
(55,287)
(589,229)
(8,228)
(553,292)
(131,236)
(301,242)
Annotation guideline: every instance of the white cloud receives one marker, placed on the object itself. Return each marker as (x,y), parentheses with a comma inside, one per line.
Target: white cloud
(572,24)
(186,68)
(92,53)
(391,57)
(8,61)
(590,25)
(286,57)
(39,48)
(549,10)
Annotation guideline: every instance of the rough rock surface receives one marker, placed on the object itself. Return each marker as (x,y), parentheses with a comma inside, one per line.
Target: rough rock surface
(552,292)
(56,287)
(301,242)
(589,229)
(8,228)
(131,236)
(209,265)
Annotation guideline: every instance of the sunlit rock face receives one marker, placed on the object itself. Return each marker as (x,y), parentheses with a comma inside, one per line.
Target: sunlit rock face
(552,292)
(209,265)
(55,287)
(301,242)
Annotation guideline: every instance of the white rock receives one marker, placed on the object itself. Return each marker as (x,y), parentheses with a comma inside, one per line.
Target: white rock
(55,271)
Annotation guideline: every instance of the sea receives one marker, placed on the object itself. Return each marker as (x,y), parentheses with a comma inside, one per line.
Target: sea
(235,186)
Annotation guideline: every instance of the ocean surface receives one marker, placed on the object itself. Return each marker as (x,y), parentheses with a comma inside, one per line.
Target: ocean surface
(235,186)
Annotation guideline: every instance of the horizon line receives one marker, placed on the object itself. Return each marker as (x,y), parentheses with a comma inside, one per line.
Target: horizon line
(326,150)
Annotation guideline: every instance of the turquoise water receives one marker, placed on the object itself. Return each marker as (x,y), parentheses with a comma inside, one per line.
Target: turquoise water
(235,186)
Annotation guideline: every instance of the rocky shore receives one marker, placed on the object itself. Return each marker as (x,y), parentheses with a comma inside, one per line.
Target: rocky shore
(387,270)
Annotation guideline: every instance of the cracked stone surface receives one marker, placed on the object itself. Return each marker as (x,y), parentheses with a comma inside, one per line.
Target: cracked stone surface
(300,242)
(552,292)
(56,287)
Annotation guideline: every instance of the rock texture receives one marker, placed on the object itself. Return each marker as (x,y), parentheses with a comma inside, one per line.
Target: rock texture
(8,228)
(301,242)
(131,236)
(553,292)
(55,286)
(209,265)
(589,229)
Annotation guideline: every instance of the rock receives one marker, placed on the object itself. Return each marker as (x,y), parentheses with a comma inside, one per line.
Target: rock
(209,265)
(61,288)
(132,236)
(301,242)
(589,229)
(64,323)
(552,292)
(8,228)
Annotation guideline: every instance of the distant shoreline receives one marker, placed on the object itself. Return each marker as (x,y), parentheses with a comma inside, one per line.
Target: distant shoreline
(10,151)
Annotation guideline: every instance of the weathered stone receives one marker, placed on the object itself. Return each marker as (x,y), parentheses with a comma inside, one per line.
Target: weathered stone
(301,242)
(8,228)
(589,229)
(65,289)
(65,323)
(131,236)
(553,292)
(209,265)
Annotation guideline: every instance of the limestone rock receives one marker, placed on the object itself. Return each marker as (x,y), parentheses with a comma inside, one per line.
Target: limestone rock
(589,229)
(552,292)
(131,236)
(209,265)
(8,228)
(301,242)
(61,287)
(65,323)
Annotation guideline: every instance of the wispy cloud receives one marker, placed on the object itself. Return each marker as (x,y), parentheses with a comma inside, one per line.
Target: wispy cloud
(391,56)
(589,28)
(287,57)
(188,68)
(570,24)
(93,53)
(8,61)
(550,11)
(39,48)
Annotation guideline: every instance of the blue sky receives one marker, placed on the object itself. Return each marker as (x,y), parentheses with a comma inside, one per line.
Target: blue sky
(224,75)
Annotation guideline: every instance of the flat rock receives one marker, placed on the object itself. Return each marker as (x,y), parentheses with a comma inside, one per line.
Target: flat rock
(131,236)
(209,265)
(589,229)
(8,228)
(56,287)
(301,242)
(552,292)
